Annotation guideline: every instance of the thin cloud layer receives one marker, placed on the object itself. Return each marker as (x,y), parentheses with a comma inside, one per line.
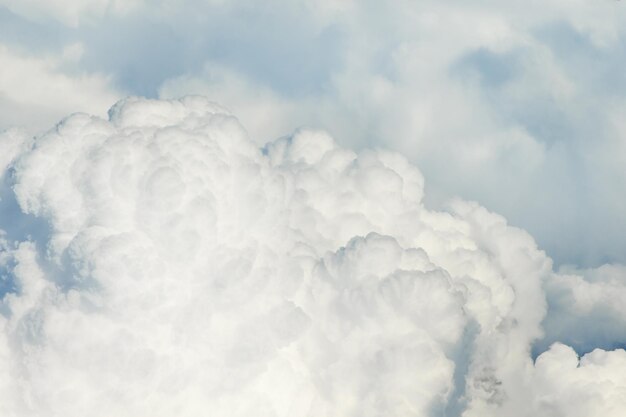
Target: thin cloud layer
(170,266)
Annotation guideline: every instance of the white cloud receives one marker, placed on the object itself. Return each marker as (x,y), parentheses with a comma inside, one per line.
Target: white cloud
(266,114)
(497,102)
(160,263)
(182,269)
(593,385)
(35,92)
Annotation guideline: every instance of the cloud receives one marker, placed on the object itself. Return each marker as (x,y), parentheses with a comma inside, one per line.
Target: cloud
(175,267)
(35,92)
(496,103)
(70,12)
(586,311)
(591,385)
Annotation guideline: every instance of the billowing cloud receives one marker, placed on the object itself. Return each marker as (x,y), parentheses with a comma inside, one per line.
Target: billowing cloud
(171,266)
(496,102)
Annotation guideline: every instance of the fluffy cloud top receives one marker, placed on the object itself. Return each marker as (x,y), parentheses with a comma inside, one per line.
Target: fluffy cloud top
(171,267)
(517,106)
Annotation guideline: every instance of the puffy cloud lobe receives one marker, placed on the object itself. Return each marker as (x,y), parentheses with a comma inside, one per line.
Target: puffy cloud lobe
(566,385)
(182,269)
(587,310)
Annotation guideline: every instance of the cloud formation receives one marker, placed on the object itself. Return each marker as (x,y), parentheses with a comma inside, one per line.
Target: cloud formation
(173,267)
(518,107)
(35,93)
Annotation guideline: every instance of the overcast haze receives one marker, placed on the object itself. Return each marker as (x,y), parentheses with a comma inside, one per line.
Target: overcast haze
(313,208)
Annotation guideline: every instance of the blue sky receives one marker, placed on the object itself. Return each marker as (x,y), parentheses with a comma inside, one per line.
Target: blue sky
(519,107)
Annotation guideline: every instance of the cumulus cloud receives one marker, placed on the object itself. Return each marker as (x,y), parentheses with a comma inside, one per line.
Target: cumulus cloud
(174,267)
(497,103)
(587,309)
